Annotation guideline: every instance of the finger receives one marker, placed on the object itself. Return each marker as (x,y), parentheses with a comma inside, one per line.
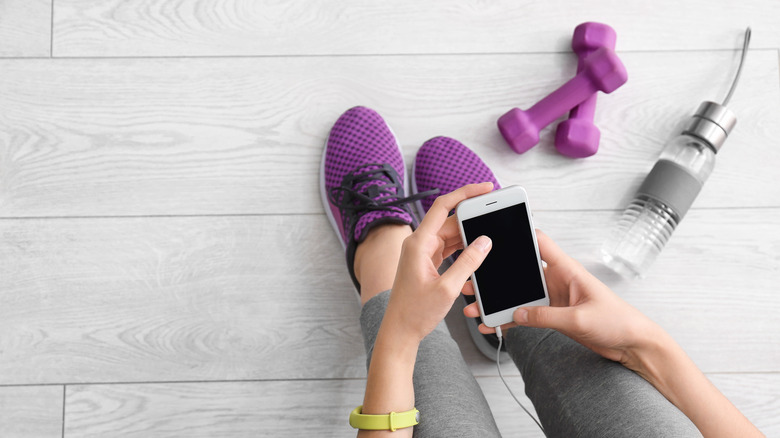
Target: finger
(468,288)
(565,267)
(485,330)
(558,318)
(435,217)
(450,231)
(471,311)
(450,250)
(549,251)
(468,261)
(490,330)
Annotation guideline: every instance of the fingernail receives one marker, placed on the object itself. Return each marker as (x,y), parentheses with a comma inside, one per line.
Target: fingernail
(483,243)
(521,315)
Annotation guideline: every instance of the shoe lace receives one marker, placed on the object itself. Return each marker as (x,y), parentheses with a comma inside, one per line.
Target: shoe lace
(358,195)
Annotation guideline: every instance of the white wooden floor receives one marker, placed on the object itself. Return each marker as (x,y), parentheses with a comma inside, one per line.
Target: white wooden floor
(166,268)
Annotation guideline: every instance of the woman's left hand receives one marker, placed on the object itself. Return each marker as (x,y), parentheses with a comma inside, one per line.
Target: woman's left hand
(420,297)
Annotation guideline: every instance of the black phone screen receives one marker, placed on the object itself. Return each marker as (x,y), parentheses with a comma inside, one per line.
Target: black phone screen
(509,276)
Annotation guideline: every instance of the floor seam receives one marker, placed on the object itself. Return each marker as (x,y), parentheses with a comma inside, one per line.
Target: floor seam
(64,392)
(312,379)
(367,55)
(217,215)
(51,32)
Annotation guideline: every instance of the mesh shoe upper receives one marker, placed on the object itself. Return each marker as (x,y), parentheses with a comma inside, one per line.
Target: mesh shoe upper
(360,137)
(446,164)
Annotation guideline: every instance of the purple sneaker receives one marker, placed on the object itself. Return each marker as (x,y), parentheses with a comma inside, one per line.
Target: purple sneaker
(446,164)
(362,179)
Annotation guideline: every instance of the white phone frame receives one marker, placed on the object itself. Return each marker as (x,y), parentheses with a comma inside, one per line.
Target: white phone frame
(486,204)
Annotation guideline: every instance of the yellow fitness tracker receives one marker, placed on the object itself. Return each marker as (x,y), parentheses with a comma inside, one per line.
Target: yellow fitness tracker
(391,421)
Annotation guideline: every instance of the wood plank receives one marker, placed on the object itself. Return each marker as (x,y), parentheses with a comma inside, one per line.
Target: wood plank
(175,299)
(90,137)
(25,28)
(239,27)
(229,409)
(31,411)
(268,297)
(287,408)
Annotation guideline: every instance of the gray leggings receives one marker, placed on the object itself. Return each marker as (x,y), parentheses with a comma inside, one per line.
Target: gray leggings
(576,392)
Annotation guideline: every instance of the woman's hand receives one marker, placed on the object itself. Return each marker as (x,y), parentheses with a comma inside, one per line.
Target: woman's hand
(420,297)
(584,309)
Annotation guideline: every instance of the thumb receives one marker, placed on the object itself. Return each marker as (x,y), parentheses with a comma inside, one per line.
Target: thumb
(468,261)
(558,318)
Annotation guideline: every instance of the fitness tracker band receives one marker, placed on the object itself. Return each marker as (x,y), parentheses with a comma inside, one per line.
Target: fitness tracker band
(391,421)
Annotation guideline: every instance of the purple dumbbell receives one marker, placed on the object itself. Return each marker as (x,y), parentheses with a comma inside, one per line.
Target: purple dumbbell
(602,71)
(578,137)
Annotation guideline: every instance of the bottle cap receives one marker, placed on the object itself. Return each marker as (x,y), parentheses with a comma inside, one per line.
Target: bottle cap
(712,123)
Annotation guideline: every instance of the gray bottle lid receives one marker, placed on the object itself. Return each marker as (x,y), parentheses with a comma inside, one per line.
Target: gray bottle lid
(712,123)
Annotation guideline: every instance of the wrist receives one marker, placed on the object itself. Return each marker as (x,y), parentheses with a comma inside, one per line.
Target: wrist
(396,339)
(398,329)
(655,357)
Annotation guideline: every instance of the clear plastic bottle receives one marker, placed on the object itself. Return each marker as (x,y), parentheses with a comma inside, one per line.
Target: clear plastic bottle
(668,191)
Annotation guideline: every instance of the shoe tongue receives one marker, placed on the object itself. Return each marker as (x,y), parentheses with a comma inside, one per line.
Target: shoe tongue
(372,187)
(378,190)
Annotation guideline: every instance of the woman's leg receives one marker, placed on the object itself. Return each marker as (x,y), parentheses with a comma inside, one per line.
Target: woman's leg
(450,401)
(576,392)
(364,195)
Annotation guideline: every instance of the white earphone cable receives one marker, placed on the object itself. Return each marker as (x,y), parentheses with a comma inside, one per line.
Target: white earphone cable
(498,365)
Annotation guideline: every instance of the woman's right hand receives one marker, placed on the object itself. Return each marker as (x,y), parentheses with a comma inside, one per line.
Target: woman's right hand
(584,309)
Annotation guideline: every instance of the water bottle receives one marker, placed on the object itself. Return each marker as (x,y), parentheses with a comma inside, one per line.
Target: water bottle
(668,191)
(671,186)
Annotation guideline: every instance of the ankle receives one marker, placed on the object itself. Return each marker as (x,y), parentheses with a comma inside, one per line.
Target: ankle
(376,258)
(380,240)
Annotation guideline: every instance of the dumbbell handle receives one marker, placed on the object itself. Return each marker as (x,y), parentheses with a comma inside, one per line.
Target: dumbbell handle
(570,94)
(587,108)
(561,100)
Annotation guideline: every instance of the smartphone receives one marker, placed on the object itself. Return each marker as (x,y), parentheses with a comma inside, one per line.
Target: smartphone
(512,274)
